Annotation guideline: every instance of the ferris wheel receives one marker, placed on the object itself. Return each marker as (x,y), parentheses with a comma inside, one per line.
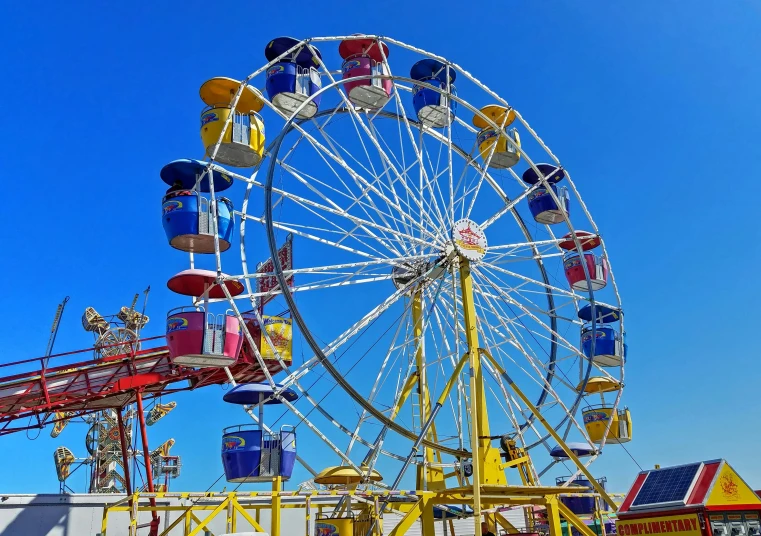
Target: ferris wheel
(454,296)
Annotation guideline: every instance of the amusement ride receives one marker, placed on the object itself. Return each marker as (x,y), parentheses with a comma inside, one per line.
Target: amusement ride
(461,327)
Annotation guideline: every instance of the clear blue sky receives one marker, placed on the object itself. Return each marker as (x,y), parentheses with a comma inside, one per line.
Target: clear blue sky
(655,100)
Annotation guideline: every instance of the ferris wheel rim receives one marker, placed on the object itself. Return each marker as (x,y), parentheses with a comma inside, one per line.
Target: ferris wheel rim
(273,151)
(270,231)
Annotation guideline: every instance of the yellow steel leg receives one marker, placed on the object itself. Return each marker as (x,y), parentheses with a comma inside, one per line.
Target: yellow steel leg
(505,524)
(276,485)
(247,517)
(553,516)
(196,531)
(308,515)
(571,455)
(573,520)
(408,519)
(428,478)
(427,518)
(104,523)
(486,458)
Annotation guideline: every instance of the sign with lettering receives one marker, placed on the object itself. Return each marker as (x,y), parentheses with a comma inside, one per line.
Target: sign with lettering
(681,525)
(270,283)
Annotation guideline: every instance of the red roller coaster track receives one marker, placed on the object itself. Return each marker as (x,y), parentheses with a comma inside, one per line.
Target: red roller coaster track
(89,385)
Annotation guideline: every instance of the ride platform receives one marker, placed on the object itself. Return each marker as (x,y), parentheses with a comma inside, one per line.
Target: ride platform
(74,384)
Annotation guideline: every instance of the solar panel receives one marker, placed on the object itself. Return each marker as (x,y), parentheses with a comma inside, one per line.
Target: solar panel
(667,486)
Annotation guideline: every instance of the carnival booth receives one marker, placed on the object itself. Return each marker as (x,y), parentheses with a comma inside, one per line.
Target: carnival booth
(696,499)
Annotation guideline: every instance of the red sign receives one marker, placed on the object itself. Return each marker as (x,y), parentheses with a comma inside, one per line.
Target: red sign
(270,283)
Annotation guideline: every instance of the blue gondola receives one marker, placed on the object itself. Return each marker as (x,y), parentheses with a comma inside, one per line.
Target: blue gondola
(294,78)
(433,108)
(186,215)
(249,453)
(582,505)
(543,207)
(610,349)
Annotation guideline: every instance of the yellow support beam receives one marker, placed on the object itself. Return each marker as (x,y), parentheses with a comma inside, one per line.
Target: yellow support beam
(571,518)
(276,500)
(428,477)
(254,524)
(575,459)
(486,459)
(553,515)
(407,521)
(505,524)
(211,516)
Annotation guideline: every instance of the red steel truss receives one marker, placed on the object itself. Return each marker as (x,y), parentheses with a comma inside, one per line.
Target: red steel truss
(35,394)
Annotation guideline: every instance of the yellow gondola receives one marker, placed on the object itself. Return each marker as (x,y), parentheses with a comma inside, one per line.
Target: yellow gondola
(506,152)
(243,142)
(596,420)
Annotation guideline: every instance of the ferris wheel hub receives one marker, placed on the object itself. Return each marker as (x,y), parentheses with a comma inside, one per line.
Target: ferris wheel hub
(469,240)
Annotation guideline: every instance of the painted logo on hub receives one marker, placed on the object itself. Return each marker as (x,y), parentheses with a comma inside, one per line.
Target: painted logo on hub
(233,443)
(176,324)
(469,240)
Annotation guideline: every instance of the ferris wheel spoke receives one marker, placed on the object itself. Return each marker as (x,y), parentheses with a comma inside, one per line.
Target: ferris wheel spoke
(539,365)
(490,267)
(327,155)
(358,122)
(455,405)
(495,295)
(357,201)
(365,190)
(334,208)
(426,207)
(559,376)
(381,376)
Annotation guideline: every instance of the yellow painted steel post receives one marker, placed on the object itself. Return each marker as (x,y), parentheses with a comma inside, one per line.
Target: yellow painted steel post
(275,526)
(571,455)
(483,468)
(427,517)
(230,510)
(553,515)
(104,523)
(428,478)
(308,514)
